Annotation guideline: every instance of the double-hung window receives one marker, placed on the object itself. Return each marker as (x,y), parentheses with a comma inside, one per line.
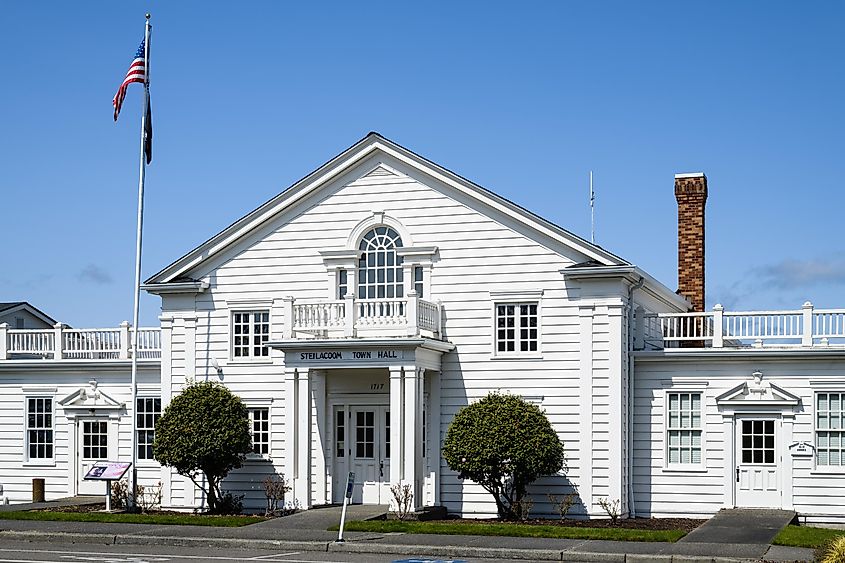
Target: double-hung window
(259,422)
(147,413)
(517,329)
(683,428)
(830,432)
(250,332)
(39,428)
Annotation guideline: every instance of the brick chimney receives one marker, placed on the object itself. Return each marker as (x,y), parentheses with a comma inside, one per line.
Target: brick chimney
(691,193)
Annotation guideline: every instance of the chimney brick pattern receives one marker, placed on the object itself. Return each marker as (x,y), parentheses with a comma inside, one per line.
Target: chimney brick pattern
(691,194)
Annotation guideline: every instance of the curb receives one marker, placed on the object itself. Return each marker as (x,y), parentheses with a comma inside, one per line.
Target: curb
(365,546)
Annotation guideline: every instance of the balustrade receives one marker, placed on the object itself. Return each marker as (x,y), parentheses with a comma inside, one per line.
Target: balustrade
(62,342)
(719,328)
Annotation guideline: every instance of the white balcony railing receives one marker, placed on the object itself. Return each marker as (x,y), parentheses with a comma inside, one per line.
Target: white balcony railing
(61,342)
(720,329)
(351,317)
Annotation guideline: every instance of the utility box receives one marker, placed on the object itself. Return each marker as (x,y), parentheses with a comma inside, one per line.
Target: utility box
(38,490)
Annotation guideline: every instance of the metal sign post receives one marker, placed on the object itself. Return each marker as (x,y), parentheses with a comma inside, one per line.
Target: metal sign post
(347,498)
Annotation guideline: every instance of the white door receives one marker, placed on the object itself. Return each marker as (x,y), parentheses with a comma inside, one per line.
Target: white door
(758,460)
(369,454)
(92,446)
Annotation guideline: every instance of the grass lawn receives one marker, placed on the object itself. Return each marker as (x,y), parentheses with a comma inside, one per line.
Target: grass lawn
(517,530)
(162,519)
(806,536)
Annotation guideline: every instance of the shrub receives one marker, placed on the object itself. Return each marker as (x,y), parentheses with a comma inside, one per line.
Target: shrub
(503,443)
(275,488)
(611,507)
(204,431)
(565,504)
(834,551)
(403,497)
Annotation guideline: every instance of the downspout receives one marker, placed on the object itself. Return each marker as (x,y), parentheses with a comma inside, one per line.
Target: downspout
(632,511)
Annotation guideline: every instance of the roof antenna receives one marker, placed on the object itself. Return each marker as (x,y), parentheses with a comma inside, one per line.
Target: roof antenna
(592,211)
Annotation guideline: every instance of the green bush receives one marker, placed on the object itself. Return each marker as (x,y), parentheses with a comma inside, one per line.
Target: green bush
(204,430)
(503,443)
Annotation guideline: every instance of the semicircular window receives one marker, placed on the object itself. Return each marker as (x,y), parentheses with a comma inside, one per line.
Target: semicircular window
(379,267)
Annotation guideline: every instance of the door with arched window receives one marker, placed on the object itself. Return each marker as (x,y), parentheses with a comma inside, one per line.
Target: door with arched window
(379,266)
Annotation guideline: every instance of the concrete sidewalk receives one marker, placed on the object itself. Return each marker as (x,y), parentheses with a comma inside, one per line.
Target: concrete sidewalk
(306,531)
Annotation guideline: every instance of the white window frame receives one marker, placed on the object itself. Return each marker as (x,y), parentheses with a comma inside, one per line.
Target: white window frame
(139,429)
(828,466)
(701,465)
(251,310)
(26,457)
(532,297)
(253,431)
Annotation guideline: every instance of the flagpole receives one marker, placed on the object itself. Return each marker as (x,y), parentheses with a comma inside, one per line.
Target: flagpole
(142,168)
(592,211)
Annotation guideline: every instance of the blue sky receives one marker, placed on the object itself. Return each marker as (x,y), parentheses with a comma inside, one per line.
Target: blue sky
(522,98)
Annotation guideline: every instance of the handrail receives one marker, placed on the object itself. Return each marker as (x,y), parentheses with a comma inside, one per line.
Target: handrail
(719,328)
(63,342)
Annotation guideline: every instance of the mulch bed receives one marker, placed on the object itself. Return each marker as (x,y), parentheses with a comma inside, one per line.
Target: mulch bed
(686,524)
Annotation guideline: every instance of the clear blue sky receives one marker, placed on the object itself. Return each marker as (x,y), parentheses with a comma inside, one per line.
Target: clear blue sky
(523,98)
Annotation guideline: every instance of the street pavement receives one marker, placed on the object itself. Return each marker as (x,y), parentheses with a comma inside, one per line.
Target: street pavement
(304,537)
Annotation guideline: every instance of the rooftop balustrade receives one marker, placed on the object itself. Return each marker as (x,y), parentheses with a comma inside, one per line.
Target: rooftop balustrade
(62,342)
(807,327)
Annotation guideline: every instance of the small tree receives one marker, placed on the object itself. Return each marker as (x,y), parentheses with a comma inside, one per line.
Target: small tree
(503,443)
(205,429)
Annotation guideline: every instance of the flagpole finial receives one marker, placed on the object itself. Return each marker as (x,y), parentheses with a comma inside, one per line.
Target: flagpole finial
(148,15)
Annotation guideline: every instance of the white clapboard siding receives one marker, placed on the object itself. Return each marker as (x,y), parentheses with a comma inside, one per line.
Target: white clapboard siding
(659,492)
(476,255)
(15,474)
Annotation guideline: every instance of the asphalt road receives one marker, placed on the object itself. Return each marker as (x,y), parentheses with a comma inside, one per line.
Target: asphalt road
(26,552)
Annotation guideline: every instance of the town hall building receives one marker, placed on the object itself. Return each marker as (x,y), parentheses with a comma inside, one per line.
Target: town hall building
(360,309)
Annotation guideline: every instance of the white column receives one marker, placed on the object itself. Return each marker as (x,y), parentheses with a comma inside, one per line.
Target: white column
(287,308)
(718,326)
(289,456)
(166,323)
(396,420)
(807,314)
(434,433)
(787,423)
(124,340)
(730,459)
(302,486)
(412,429)
(321,434)
(58,344)
(4,342)
(190,346)
(349,315)
(411,312)
(618,420)
(585,436)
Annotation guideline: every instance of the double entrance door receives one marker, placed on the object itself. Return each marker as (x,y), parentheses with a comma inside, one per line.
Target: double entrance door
(758,460)
(362,445)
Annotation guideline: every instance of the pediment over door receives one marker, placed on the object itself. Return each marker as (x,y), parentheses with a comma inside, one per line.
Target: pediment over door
(90,398)
(757,392)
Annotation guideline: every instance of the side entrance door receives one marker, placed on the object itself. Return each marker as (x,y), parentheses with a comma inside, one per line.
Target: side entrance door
(369,453)
(92,446)
(758,460)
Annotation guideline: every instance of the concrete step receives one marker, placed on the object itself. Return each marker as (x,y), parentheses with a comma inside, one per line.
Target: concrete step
(742,525)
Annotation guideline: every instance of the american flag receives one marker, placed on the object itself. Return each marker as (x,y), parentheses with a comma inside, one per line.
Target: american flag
(137,73)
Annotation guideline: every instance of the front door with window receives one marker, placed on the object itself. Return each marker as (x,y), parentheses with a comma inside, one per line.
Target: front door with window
(92,446)
(758,459)
(363,446)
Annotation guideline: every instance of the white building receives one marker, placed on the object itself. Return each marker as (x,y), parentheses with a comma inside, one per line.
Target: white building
(357,311)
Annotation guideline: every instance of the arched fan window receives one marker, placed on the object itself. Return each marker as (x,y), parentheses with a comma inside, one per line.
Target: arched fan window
(379,268)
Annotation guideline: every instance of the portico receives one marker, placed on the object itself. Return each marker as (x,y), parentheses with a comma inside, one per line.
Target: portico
(387,384)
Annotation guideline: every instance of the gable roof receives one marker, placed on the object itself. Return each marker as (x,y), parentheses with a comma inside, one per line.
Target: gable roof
(13,306)
(372,144)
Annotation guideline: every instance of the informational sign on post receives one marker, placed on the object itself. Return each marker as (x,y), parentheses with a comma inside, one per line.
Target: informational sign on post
(347,498)
(107,471)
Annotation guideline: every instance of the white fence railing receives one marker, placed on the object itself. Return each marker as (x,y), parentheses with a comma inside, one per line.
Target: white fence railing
(406,316)
(719,328)
(61,342)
